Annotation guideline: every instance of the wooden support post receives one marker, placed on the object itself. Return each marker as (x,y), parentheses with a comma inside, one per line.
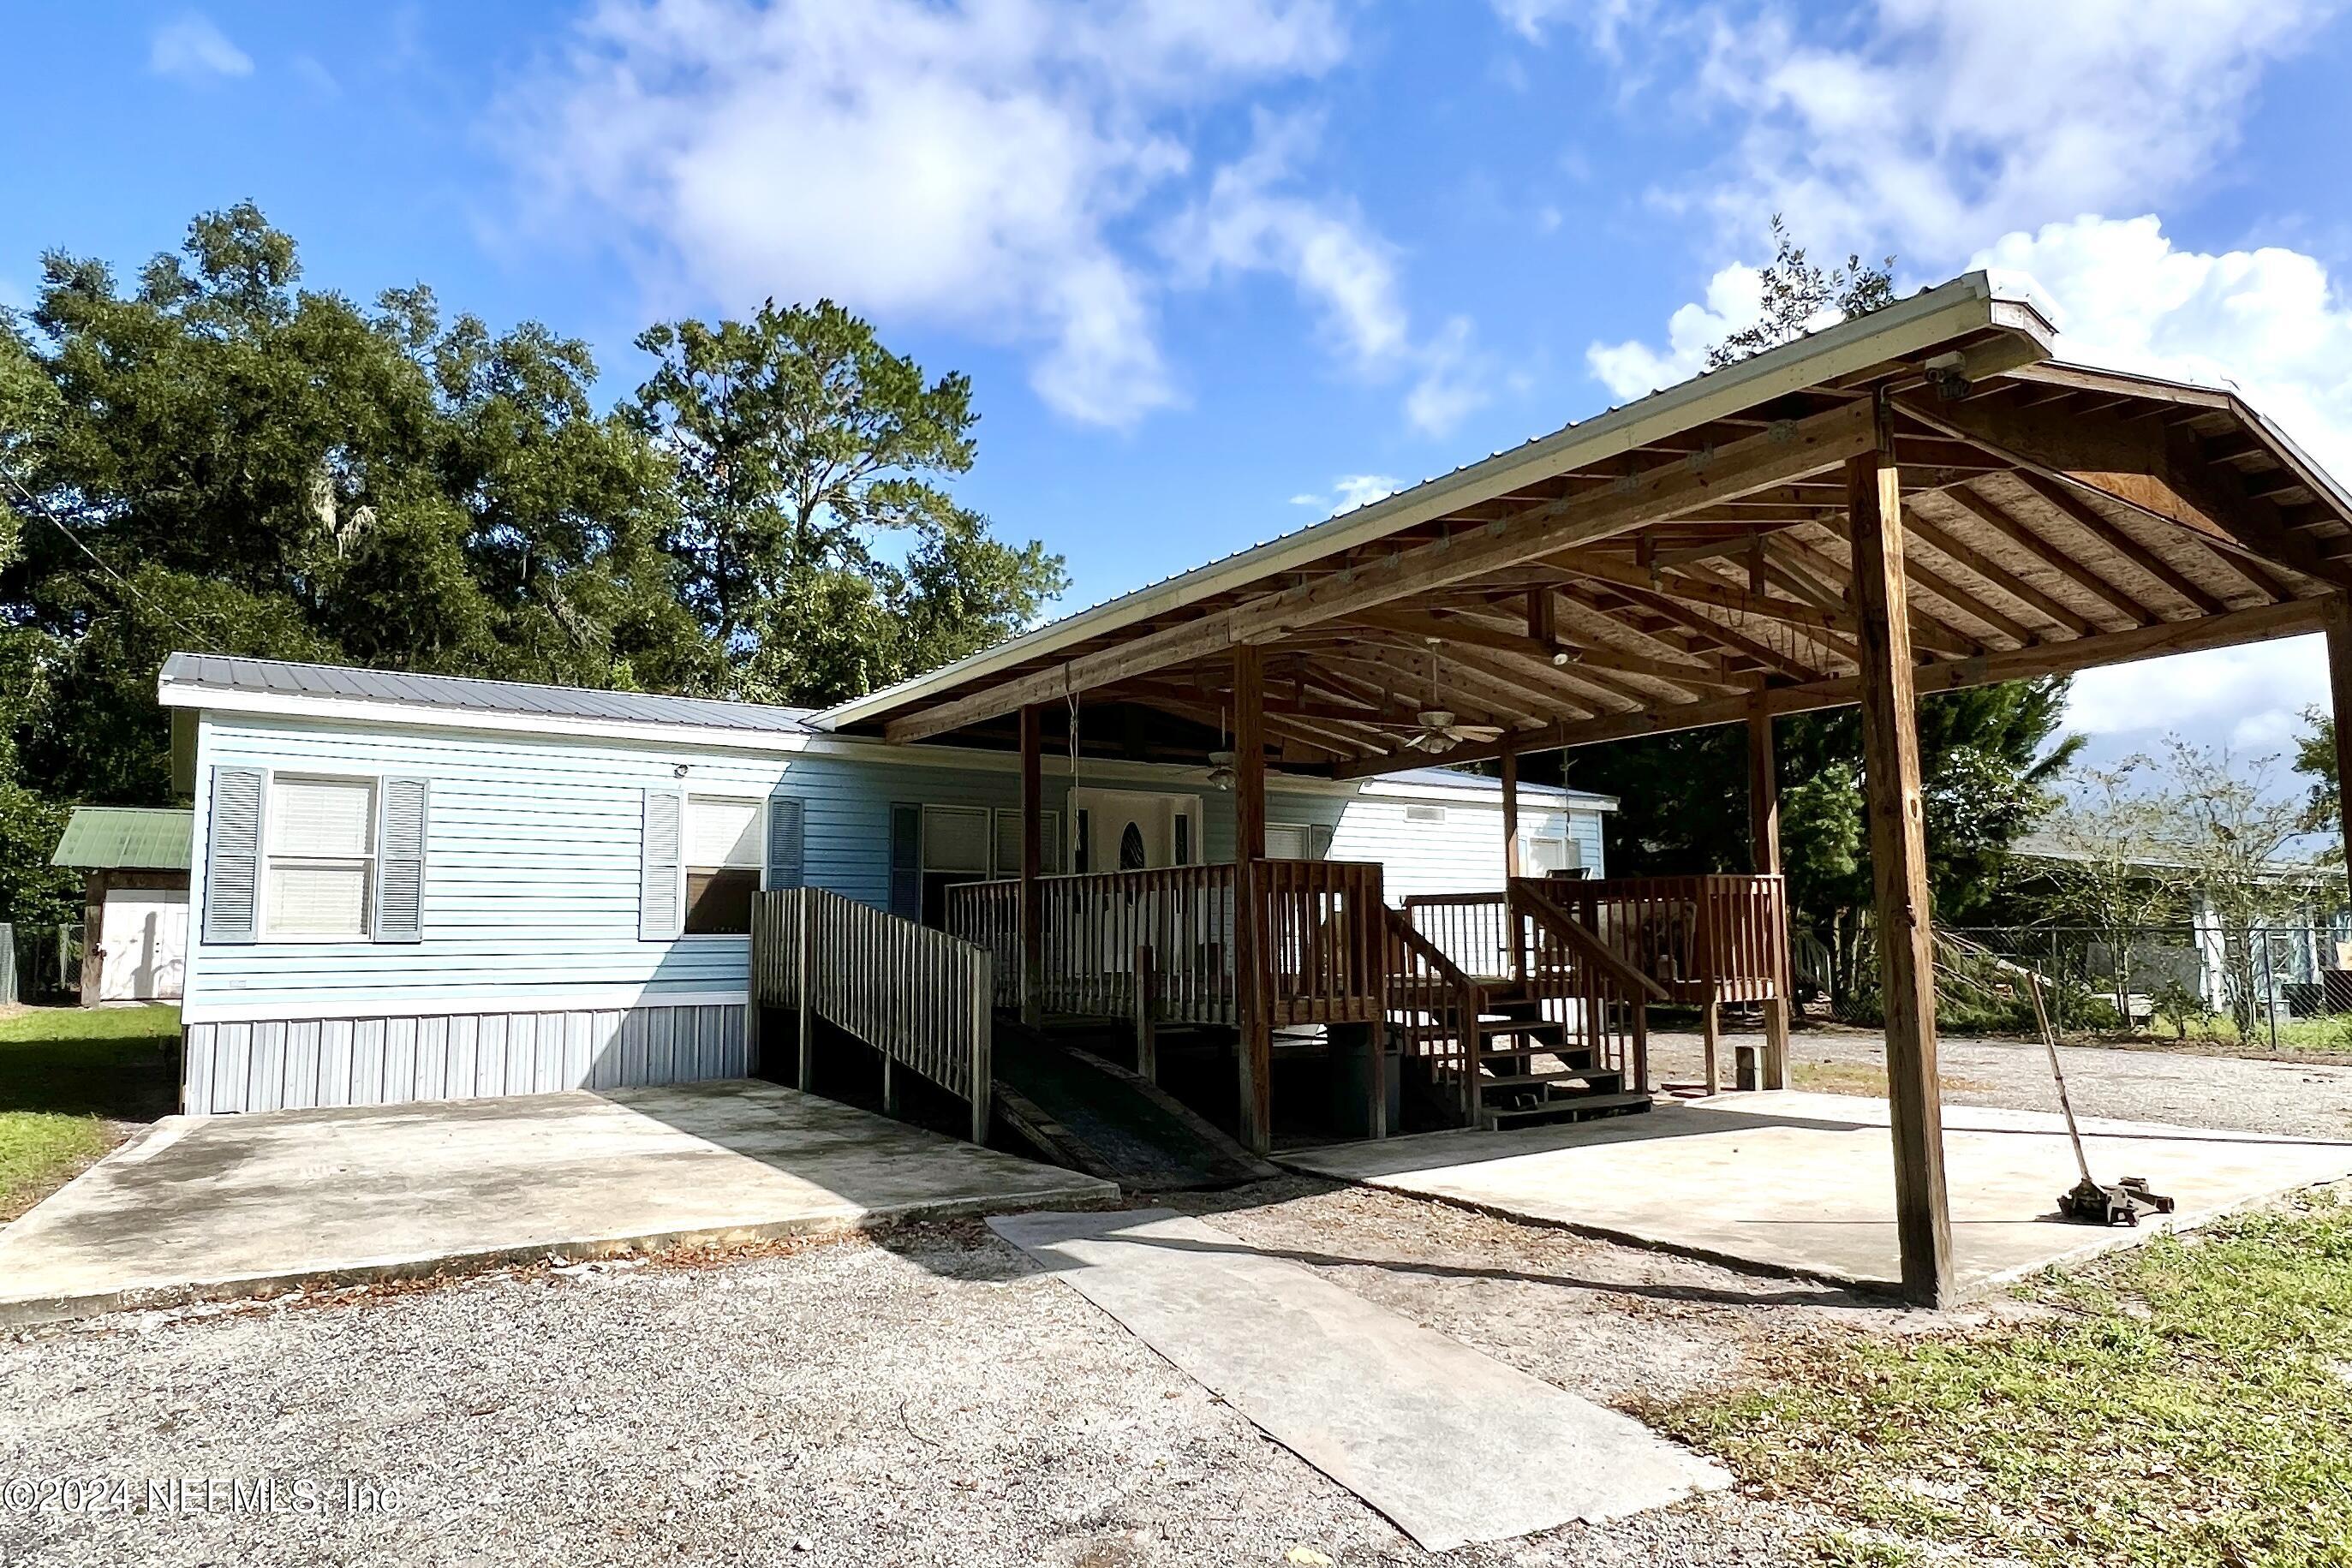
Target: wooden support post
(2337,618)
(1147,1031)
(1764,845)
(1510,761)
(806,939)
(889,1087)
(1898,864)
(1710,1018)
(1033,856)
(1251,1001)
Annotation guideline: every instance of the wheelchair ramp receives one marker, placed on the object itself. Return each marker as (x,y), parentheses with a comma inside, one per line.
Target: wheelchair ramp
(1096,1116)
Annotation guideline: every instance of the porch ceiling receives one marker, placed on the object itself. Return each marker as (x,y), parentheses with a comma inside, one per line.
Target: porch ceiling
(1697,564)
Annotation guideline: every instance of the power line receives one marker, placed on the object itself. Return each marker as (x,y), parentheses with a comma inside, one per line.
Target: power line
(25,499)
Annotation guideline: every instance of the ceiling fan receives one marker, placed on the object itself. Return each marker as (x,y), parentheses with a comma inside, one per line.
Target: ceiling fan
(1438,730)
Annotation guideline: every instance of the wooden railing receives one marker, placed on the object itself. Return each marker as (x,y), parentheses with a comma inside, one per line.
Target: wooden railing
(1433,1006)
(1706,939)
(1170,931)
(1473,930)
(917,997)
(1597,998)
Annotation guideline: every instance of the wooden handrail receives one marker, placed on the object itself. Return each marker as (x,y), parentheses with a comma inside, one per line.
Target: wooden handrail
(1558,924)
(919,998)
(1402,930)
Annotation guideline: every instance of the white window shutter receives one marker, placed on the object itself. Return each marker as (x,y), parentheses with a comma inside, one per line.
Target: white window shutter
(233,855)
(399,861)
(787,841)
(660,916)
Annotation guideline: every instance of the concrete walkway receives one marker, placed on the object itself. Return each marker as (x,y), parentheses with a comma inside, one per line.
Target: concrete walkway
(212,1206)
(1451,1445)
(1805,1183)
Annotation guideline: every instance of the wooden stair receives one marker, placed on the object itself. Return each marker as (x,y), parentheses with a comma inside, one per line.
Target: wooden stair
(1513,1091)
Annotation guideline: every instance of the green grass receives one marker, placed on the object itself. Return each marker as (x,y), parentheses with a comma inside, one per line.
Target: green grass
(2184,1404)
(65,1075)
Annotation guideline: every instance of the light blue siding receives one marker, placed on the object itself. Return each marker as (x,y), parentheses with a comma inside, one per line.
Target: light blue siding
(531,865)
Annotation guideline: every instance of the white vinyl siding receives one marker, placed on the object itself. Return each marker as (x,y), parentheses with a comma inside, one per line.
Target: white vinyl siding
(319,850)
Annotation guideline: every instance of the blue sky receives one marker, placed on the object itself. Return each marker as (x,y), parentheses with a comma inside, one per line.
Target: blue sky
(1218,265)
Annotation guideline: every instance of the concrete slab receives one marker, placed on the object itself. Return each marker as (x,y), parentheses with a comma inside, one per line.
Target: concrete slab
(1804,1183)
(1452,1446)
(213,1207)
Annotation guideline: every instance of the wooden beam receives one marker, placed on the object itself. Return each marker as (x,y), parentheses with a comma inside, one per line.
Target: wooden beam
(1782,453)
(2160,473)
(1254,1047)
(2069,504)
(2000,521)
(1510,761)
(1898,859)
(1764,859)
(1966,554)
(2337,618)
(1033,857)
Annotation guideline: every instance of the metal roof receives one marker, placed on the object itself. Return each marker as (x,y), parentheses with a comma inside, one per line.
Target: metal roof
(126,838)
(223,672)
(1969,301)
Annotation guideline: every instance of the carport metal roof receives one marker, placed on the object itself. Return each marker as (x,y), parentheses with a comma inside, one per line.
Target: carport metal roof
(1682,559)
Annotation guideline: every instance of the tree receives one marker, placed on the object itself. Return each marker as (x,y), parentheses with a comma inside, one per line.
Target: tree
(802,447)
(1800,297)
(2314,758)
(2108,867)
(2230,826)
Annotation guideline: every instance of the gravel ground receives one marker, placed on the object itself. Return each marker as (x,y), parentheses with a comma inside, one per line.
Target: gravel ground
(2244,1093)
(923,1398)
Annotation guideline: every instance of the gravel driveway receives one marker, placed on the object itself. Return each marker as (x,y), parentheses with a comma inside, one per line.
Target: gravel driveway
(2244,1093)
(923,1400)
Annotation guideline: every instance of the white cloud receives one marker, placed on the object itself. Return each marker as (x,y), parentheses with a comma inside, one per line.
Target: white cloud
(1939,121)
(1603,20)
(2251,700)
(194,49)
(2269,322)
(1349,491)
(1251,220)
(989,165)
(1735,300)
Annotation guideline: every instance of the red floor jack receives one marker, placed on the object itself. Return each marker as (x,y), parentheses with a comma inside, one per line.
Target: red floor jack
(2087,1202)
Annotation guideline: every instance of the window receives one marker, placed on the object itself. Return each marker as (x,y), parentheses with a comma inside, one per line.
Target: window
(722,864)
(1425,813)
(1550,849)
(322,857)
(957,839)
(1008,842)
(1288,841)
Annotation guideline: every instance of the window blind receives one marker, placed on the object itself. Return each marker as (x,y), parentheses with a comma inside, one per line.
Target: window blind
(722,832)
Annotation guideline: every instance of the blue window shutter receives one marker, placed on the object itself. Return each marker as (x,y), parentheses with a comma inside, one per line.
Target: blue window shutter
(400,859)
(907,862)
(233,855)
(787,841)
(661,847)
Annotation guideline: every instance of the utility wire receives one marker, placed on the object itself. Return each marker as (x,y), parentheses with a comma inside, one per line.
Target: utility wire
(25,500)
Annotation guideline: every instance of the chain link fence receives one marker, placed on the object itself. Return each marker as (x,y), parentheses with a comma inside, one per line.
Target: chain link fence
(2273,985)
(43,963)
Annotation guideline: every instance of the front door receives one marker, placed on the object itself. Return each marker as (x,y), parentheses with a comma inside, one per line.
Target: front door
(1134,830)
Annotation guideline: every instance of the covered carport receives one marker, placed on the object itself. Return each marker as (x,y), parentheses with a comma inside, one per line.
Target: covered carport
(1917,500)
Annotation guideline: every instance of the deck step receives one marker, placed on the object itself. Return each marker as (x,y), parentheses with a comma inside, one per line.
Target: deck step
(1568,1108)
(1597,1079)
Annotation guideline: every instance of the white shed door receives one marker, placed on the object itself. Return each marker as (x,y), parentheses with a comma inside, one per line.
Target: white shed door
(143,952)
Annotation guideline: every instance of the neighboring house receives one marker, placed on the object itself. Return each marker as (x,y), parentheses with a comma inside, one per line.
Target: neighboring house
(135,906)
(421,887)
(2287,960)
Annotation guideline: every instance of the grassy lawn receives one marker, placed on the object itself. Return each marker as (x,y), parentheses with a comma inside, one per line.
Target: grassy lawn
(2184,1404)
(70,1081)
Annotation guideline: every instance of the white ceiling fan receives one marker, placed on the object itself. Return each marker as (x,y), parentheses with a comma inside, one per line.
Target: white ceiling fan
(1438,729)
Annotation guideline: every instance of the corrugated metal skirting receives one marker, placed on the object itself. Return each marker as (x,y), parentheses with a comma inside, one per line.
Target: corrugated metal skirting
(284,1065)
